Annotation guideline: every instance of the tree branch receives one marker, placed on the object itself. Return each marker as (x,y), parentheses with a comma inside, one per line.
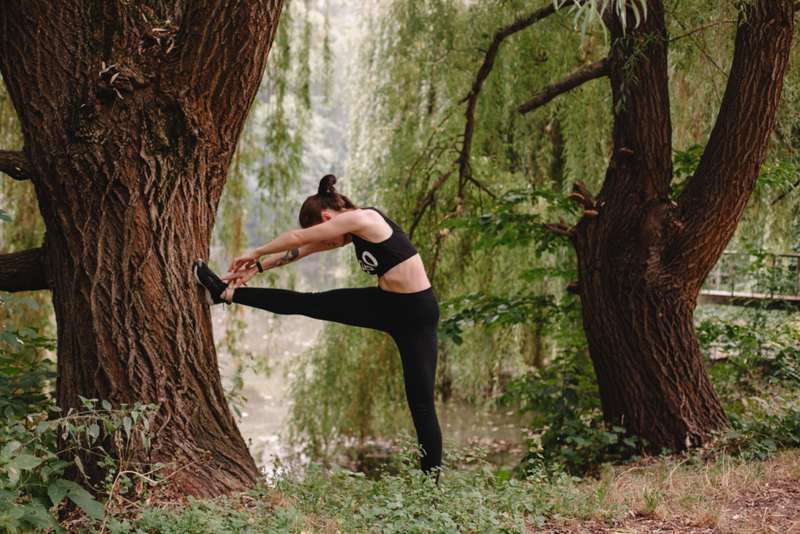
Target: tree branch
(471,99)
(23,271)
(579,77)
(712,203)
(15,164)
(786,193)
(221,48)
(701,28)
(483,73)
(427,201)
(518,25)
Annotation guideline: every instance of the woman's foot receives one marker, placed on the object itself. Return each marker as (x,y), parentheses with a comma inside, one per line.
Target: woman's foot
(216,289)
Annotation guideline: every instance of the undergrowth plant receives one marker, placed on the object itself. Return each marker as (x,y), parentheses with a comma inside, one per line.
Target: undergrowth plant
(754,359)
(403,500)
(33,470)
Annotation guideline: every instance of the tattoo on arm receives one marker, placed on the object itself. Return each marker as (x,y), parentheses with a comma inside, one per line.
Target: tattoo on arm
(289,257)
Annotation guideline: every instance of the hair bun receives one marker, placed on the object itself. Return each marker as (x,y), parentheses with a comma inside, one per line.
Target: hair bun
(326,185)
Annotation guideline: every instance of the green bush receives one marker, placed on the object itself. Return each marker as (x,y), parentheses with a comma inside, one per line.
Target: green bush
(566,417)
(756,372)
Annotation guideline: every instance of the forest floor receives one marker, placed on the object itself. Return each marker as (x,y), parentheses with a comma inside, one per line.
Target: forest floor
(699,493)
(754,497)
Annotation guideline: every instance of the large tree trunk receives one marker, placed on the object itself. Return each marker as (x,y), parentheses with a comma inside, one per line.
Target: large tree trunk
(643,259)
(128,166)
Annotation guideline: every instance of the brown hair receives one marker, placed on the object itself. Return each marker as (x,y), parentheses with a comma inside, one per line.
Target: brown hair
(327,198)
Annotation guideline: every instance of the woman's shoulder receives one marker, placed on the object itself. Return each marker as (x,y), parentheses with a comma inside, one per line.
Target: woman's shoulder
(370,215)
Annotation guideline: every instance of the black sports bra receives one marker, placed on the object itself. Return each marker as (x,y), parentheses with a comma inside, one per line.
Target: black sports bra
(378,258)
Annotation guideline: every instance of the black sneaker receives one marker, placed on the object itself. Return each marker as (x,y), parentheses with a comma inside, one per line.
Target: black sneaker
(213,285)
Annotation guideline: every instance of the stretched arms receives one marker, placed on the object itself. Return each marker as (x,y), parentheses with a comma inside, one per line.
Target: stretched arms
(243,275)
(331,233)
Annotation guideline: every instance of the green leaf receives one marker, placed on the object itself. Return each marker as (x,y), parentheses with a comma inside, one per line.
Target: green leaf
(8,495)
(79,463)
(10,447)
(26,461)
(37,515)
(106,405)
(58,490)
(86,502)
(127,424)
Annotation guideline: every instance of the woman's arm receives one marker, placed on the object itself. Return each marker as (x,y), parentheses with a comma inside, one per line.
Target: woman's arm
(344,223)
(241,277)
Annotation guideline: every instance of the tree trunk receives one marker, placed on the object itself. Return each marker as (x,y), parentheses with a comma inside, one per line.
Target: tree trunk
(643,258)
(129,163)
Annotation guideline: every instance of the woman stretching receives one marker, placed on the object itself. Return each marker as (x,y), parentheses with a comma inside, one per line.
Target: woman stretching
(403,303)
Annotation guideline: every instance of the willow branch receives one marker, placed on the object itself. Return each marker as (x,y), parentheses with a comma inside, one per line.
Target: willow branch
(518,25)
(577,78)
(15,164)
(23,271)
(488,62)
(427,201)
(701,28)
(786,193)
(471,99)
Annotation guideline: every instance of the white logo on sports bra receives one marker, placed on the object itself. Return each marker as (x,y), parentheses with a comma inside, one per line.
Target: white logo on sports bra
(368,262)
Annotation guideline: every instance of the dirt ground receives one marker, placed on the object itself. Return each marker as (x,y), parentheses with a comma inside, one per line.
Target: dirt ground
(772,508)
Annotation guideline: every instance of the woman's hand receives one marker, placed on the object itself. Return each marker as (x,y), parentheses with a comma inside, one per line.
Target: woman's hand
(244,261)
(241,277)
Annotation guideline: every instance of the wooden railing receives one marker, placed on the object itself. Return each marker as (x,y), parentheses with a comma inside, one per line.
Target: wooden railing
(764,280)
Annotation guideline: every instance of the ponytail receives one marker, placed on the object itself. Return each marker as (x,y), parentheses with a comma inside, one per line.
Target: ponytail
(327,198)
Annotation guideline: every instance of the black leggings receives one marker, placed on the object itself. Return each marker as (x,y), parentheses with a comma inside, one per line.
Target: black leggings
(410,318)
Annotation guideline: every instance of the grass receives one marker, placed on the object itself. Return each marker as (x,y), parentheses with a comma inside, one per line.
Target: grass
(697,490)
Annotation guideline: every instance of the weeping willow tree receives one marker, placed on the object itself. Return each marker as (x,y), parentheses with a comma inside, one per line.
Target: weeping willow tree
(127,142)
(473,121)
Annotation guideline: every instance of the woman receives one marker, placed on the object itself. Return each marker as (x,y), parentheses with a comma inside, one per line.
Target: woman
(403,303)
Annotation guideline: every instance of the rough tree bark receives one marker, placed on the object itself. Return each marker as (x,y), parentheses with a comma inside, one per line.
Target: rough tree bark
(130,114)
(642,256)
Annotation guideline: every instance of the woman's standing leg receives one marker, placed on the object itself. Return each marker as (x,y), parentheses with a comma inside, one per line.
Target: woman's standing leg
(419,370)
(415,332)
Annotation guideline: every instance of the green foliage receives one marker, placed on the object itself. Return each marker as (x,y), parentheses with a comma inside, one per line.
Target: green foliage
(592,10)
(495,311)
(511,225)
(755,368)
(563,403)
(684,163)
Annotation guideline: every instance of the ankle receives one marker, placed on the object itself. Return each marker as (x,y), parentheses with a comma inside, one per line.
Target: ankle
(227,295)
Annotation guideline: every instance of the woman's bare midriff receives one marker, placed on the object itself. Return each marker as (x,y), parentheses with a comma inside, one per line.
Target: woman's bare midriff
(406,277)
